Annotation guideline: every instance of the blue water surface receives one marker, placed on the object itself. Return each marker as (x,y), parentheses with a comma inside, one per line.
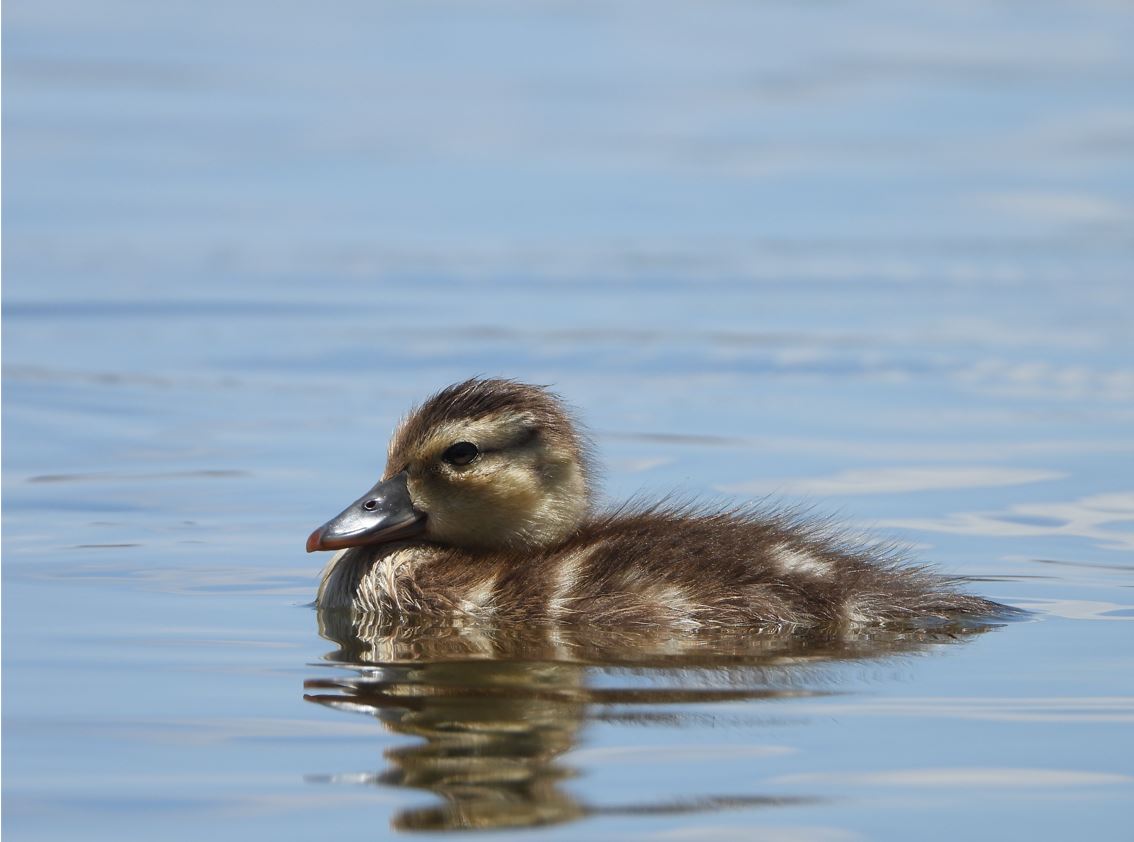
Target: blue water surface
(866,257)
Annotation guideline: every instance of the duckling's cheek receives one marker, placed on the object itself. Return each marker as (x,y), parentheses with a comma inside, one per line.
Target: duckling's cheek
(508,488)
(499,495)
(478,508)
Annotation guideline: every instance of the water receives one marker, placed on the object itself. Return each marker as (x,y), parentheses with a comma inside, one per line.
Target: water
(872,258)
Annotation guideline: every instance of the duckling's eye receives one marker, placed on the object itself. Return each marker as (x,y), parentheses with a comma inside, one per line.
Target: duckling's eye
(461,453)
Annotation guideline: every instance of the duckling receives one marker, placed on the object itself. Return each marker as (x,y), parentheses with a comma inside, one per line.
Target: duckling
(485,511)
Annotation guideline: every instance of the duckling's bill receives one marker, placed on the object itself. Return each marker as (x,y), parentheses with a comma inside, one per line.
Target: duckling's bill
(384,513)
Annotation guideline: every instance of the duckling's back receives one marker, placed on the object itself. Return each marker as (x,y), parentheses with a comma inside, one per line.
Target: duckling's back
(729,568)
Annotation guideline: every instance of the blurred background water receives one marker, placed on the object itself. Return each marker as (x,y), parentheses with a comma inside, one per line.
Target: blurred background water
(871,257)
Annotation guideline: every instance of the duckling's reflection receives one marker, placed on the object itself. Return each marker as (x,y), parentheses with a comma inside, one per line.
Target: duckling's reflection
(497,707)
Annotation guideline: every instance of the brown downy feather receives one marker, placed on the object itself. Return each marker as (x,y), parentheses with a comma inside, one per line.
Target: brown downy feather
(551,559)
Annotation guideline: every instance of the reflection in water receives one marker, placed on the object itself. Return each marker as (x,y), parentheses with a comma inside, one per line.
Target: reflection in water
(496,707)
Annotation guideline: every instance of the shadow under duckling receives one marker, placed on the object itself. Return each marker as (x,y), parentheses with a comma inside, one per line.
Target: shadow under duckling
(485,510)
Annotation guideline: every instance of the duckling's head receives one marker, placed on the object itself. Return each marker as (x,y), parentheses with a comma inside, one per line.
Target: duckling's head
(482,465)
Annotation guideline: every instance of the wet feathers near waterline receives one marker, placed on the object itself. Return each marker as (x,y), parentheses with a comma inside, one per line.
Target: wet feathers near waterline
(484,510)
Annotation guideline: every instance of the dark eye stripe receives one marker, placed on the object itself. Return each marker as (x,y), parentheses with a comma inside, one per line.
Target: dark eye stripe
(461,453)
(526,437)
(529,434)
